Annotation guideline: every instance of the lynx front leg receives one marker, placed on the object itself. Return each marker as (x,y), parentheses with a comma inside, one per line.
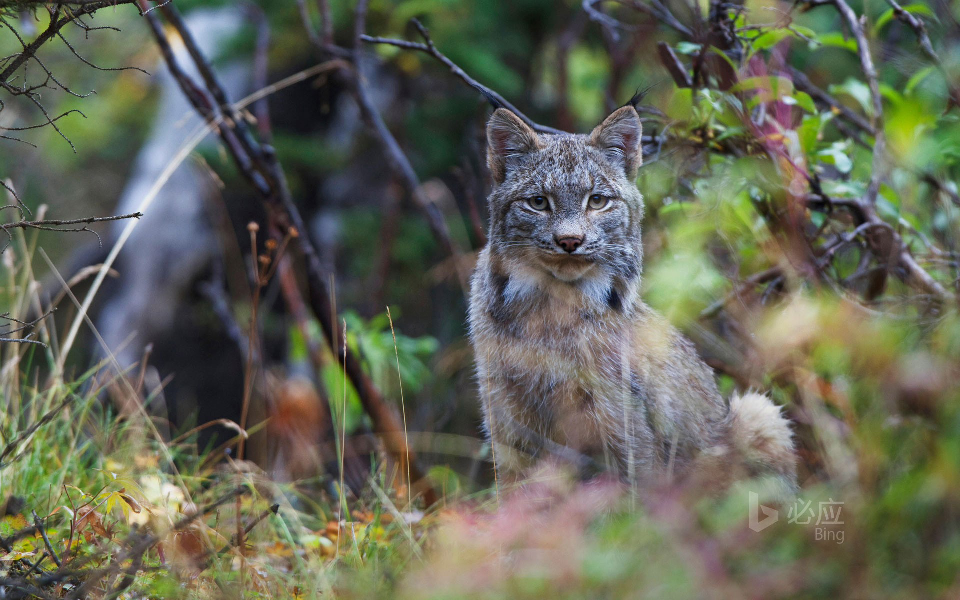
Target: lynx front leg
(631,447)
(511,455)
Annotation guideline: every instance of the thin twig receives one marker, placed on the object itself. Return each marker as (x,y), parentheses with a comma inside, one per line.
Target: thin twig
(38,523)
(395,155)
(876,119)
(20,4)
(47,223)
(136,550)
(72,12)
(428,47)
(260,167)
(920,30)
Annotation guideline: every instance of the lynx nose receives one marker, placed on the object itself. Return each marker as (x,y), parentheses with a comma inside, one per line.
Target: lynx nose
(569,242)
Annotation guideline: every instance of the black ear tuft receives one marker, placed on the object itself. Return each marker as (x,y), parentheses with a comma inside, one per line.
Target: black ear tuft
(508,137)
(640,94)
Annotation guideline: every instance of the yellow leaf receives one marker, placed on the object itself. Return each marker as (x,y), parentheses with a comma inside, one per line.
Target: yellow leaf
(13,522)
(12,556)
(134,505)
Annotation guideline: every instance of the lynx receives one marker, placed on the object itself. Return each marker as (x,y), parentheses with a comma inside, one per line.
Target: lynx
(571,363)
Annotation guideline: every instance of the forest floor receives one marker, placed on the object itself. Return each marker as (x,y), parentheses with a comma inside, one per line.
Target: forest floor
(98,501)
(97,506)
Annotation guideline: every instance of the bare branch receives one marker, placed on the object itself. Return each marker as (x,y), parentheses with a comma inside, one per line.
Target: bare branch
(38,523)
(25,4)
(655,8)
(864,213)
(323,38)
(920,30)
(48,223)
(804,84)
(18,203)
(429,48)
(671,62)
(260,167)
(604,20)
(56,24)
(58,225)
(876,119)
(71,13)
(326,21)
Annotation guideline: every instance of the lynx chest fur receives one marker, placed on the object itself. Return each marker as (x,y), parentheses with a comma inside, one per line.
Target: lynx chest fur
(570,361)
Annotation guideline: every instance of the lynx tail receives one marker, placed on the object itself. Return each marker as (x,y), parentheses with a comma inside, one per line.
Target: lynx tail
(761,435)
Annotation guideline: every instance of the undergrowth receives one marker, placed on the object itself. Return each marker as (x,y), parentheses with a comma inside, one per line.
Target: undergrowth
(98,503)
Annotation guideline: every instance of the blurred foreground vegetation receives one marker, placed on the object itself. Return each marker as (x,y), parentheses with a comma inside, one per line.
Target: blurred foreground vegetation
(802,226)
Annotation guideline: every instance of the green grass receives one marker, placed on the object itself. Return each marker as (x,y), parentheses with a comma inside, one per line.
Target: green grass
(554,538)
(877,416)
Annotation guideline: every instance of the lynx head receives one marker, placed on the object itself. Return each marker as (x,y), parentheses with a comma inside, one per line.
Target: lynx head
(567,205)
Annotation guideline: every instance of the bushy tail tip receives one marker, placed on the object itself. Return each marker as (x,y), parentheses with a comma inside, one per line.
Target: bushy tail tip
(762,437)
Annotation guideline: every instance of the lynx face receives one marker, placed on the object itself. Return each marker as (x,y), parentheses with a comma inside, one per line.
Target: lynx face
(567,205)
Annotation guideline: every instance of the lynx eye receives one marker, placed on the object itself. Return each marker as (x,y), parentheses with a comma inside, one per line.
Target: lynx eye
(597,202)
(538,203)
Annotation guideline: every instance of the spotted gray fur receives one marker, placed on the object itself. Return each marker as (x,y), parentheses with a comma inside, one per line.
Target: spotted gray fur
(568,355)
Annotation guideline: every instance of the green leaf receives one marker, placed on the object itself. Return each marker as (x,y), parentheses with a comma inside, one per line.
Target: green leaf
(892,95)
(915,9)
(809,130)
(836,157)
(888,203)
(778,86)
(889,193)
(724,56)
(917,78)
(801,99)
(730,132)
(835,39)
(884,18)
(857,90)
(805,101)
(688,48)
(667,209)
(887,210)
(844,189)
(771,39)
(680,106)
(445,478)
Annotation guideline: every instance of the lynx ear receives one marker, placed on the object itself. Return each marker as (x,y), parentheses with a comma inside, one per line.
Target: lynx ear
(619,139)
(507,138)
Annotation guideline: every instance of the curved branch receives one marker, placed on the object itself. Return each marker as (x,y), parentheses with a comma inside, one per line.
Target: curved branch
(428,47)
